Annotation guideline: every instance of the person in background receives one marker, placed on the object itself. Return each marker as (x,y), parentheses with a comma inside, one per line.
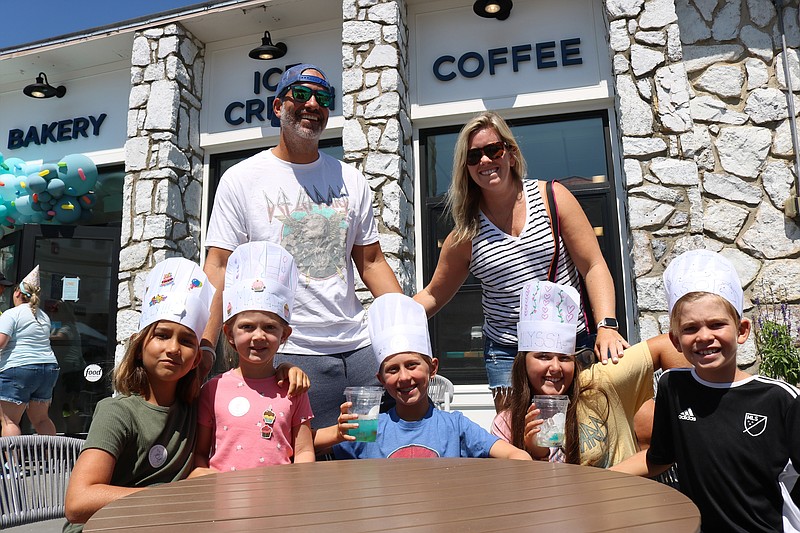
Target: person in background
(4,283)
(28,366)
(503,235)
(246,419)
(320,211)
(66,343)
(413,428)
(603,398)
(734,436)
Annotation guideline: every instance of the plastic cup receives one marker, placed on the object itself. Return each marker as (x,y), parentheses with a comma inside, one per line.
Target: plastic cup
(366,404)
(554,413)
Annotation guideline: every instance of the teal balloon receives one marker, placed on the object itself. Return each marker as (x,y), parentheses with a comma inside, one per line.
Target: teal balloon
(36,184)
(9,187)
(23,205)
(67,210)
(3,211)
(15,165)
(88,200)
(79,173)
(43,197)
(56,187)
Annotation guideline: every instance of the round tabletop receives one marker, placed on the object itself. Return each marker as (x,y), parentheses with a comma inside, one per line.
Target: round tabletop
(417,495)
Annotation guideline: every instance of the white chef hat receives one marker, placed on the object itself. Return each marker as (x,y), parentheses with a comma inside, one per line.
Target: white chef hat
(260,276)
(31,281)
(703,271)
(548,317)
(176,289)
(398,324)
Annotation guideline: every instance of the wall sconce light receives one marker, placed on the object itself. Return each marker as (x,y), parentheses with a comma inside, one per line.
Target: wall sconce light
(493,9)
(43,89)
(267,50)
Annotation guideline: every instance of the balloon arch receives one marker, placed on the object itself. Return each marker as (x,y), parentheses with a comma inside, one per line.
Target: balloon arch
(46,193)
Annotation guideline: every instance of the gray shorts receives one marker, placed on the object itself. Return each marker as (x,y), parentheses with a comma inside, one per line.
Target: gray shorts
(330,374)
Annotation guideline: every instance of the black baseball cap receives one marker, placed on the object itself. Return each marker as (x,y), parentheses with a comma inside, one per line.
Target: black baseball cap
(5,282)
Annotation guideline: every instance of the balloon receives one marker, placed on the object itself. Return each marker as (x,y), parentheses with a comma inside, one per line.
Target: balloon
(56,187)
(14,165)
(67,210)
(10,187)
(36,183)
(23,205)
(79,173)
(88,200)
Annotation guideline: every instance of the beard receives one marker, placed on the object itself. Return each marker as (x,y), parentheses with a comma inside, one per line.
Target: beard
(291,121)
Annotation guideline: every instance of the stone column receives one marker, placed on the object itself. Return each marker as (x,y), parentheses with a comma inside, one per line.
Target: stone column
(702,105)
(377,129)
(163,162)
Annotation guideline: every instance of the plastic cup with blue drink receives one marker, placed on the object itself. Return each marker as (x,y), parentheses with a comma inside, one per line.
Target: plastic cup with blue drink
(553,410)
(366,404)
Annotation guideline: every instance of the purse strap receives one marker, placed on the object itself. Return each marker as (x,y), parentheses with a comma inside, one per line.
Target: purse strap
(552,271)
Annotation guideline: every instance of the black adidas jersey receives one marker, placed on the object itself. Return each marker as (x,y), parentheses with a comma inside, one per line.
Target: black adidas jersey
(734,444)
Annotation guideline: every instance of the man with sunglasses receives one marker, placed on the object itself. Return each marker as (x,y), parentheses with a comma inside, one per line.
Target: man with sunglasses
(320,210)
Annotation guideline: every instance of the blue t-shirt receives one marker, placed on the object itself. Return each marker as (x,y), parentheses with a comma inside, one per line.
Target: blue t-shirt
(438,434)
(28,338)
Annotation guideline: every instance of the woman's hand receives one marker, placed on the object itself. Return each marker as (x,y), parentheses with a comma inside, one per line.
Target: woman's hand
(532,423)
(609,345)
(298,380)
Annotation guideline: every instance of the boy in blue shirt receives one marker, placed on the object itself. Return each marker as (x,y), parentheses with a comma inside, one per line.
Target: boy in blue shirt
(398,329)
(735,437)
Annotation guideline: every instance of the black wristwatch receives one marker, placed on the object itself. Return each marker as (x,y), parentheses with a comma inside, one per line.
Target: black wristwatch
(610,323)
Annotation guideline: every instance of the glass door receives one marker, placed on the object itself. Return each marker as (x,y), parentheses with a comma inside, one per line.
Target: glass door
(79,268)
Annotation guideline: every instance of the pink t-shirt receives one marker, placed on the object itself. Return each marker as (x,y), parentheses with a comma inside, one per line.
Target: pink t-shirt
(252,421)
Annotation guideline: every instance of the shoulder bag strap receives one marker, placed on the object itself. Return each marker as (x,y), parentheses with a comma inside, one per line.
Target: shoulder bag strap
(552,272)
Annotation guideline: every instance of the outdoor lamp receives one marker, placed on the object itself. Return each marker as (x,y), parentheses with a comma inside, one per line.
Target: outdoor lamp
(493,9)
(267,50)
(43,89)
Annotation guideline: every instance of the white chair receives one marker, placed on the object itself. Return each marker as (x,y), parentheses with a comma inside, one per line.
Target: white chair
(34,472)
(441,392)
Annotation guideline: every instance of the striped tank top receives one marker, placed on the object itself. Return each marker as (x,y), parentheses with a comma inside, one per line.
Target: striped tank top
(504,264)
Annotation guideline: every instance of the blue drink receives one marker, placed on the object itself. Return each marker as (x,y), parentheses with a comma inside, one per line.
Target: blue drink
(367,430)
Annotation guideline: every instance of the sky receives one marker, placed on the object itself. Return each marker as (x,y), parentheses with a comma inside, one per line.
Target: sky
(27,21)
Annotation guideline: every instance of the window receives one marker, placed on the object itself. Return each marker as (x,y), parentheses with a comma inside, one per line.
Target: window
(575,150)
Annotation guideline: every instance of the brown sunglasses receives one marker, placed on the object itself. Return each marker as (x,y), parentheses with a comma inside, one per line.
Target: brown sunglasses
(493,151)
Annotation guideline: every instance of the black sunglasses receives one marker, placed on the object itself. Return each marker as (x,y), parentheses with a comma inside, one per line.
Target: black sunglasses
(493,151)
(301,93)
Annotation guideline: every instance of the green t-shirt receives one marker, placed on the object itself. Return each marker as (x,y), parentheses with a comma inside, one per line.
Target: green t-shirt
(152,444)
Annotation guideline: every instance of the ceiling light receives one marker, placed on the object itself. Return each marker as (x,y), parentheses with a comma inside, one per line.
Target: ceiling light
(43,89)
(493,9)
(267,50)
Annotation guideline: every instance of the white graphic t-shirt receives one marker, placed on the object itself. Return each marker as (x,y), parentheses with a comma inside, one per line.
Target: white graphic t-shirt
(317,211)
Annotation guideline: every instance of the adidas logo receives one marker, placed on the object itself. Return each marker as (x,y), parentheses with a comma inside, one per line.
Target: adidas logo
(687,415)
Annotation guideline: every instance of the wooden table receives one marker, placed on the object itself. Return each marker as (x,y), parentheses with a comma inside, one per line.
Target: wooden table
(409,495)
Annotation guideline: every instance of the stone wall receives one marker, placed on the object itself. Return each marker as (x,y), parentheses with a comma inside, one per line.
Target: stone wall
(708,157)
(163,162)
(377,129)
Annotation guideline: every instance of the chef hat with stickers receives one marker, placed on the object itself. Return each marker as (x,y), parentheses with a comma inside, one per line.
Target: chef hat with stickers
(548,317)
(260,276)
(398,324)
(703,271)
(176,289)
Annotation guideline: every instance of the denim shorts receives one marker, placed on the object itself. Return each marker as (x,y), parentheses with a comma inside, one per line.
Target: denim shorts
(499,359)
(28,383)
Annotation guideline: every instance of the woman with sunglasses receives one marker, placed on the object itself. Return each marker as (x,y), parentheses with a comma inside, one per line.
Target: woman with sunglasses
(503,236)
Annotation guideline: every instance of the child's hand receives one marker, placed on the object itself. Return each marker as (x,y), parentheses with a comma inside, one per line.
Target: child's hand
(344,422)
(532,423)
(298,380)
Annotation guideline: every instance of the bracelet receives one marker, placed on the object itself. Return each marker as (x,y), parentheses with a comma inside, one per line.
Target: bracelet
(212,351)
